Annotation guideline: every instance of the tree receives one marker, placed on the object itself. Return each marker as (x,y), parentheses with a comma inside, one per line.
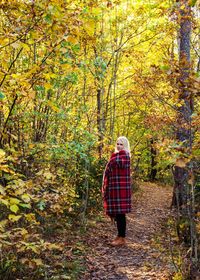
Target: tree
(184,112)
(183,197)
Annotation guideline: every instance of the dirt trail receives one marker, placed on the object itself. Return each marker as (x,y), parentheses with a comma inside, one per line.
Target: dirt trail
(141,258)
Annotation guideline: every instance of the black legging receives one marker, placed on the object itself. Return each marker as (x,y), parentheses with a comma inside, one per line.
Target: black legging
(121,224)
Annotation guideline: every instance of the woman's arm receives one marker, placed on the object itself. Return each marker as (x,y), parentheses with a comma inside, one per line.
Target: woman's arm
(106,174)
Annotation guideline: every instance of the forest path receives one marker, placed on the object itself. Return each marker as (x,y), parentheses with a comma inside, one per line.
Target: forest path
(142,258)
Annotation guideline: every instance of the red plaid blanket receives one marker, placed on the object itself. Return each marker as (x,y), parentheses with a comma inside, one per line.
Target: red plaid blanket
(116,187)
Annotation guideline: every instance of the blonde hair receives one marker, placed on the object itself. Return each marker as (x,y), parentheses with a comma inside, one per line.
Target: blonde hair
(125,143)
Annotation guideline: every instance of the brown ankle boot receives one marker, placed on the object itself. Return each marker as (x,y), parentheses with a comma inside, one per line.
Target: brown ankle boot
(118,241)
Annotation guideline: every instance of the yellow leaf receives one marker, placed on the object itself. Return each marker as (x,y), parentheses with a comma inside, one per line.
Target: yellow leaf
(24,260)
(15,45)
(39,173)
(31,94)
(90,27)
(14,208)
(12,82)
(97,11)
(19,191)
(72,39)
(14,218)
(3,225)
(38,261)
(48,76)
(2,155)
(25,46)
(14,201)
(33,35)
(66,67)
(25,197)
(181,162)
(47,86)
(48,175)
(24,231)
(6,169)
(35,249)
(4,201)
(4,41)
(31,146)
(2,190)
(16,76)
(30,217)
(53,107)
(53,246)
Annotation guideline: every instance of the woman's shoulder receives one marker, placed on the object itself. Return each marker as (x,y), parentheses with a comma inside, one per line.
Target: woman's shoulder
(113,155)
(121,153)
(124,152)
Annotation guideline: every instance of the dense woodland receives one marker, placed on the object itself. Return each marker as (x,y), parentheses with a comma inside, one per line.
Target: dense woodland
(75,75)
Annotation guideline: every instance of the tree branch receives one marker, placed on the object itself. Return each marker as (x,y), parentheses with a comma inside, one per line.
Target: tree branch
(11,65)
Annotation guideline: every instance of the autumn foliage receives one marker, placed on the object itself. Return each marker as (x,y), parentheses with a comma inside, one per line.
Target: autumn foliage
(74,75)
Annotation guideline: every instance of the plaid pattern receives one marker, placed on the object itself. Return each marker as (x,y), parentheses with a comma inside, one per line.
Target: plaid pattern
(116,188)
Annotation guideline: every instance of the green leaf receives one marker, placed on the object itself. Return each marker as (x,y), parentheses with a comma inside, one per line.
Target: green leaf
(76,48)
(192,3)
(165,67)
(48,18)
(41,205)
(39,88)
(72,77)
(2,96)
(25,205)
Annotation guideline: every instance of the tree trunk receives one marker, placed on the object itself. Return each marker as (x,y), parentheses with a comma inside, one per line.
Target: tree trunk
(183,197)
(153,171)
(99,122)
(184,112)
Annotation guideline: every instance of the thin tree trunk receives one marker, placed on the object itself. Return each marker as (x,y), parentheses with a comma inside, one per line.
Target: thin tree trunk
(153,171)
(184,112)
(5,124)
(99,122)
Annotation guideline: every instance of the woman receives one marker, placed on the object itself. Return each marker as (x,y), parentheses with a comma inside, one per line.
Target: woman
(116,188)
